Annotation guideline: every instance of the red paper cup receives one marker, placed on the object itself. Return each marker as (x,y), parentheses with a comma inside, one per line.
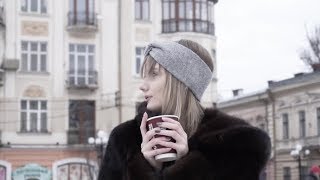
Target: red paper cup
(151,124)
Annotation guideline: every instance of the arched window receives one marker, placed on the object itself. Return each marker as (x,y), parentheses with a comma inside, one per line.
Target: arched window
(188,16)
(5,170)
(80,171)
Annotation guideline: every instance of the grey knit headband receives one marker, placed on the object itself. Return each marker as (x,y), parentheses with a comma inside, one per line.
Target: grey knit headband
(183,64)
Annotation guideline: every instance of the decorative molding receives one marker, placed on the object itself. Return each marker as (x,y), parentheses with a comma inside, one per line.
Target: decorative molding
(34,28)
(34,91)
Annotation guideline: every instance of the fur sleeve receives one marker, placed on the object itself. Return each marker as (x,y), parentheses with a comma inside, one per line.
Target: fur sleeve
(238,153)
(113,162)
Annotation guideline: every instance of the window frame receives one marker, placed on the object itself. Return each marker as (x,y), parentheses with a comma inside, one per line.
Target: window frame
(26,6)
(285,129)
(302,123)
(318,119)
(286,173)
(29,53)
(178,23)
(39,121)
(82,18)
(141,15)
(141,58)
(90,75)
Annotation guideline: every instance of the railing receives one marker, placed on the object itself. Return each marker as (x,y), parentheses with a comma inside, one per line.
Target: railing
(311,141)
(82,79)
(188,25)
(82,22)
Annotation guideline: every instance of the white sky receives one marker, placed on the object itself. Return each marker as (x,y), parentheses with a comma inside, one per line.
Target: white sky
(259,40)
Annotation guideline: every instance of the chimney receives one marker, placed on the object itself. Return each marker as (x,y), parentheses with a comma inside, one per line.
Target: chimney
(270,82)
(315,67)
(237,92)
(298,74)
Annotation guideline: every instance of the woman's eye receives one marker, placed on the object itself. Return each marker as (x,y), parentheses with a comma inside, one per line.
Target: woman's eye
(154,73)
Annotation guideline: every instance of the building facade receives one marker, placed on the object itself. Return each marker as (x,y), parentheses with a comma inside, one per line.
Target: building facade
(289,110)
(71,68)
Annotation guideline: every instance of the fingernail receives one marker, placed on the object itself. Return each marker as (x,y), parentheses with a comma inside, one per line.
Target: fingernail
(159,123)
(157,131)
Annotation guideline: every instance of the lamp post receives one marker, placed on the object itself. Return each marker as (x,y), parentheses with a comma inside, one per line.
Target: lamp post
(298,153)
(99,142)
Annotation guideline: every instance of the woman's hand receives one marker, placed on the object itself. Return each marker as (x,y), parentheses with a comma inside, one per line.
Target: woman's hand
(174,130)
(148,142)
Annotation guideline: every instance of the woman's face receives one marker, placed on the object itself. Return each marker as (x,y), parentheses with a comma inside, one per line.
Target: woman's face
(153,87)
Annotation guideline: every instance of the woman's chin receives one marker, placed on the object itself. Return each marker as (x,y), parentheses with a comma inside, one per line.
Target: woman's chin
(151,107)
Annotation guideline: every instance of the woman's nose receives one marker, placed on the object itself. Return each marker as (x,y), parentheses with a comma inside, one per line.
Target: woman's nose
(143,87)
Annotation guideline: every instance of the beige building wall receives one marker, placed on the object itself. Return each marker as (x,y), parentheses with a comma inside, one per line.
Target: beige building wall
(115,36)
(135,33)
(289,96)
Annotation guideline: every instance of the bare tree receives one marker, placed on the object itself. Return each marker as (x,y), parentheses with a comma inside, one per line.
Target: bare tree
(311,54)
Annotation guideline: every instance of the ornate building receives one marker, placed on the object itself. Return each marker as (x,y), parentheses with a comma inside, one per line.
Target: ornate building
(289,110)
(71,68)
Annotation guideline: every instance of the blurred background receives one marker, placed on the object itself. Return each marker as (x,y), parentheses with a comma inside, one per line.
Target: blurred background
(70,71)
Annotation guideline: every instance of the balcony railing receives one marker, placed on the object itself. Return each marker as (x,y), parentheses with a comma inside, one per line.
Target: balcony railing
(82,79)
(311,141)
(188,25)
(82,22)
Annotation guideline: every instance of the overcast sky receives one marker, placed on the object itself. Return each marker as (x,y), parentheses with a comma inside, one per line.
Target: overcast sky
(259,40)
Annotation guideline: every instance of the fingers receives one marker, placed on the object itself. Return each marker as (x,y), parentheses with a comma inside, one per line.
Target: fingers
(149,145)
(149,135)
(143,125)
(172,133)
(173,125)
(148,149)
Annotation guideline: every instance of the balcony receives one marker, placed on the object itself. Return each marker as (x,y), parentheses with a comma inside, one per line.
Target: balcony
(82,22)
(188,25)
(310,142)
(82,80)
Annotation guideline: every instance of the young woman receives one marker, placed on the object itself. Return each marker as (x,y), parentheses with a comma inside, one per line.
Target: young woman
(209,143)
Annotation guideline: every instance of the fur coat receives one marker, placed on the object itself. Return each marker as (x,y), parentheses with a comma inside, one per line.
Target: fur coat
(223,148)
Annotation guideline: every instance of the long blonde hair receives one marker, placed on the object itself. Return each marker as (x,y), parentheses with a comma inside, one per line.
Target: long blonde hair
(178,98)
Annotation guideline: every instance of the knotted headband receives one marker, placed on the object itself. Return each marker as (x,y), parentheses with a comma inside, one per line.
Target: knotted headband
(183,64)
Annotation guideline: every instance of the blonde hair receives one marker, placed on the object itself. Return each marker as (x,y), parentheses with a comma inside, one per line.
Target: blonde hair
(178,99)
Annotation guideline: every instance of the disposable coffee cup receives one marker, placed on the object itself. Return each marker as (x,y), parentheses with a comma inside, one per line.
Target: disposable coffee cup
(151,124)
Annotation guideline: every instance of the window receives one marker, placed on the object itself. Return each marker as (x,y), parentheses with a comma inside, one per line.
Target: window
(3,172)
(138,60)
(304,172)
(81,12)
(302,123)
(318,120)
(33,116)
(142,9)
(286,173)
(214,54)
(187,16)
(34,6)
(79,171)
(81,121)
(33,56)
(285,126)
(81,65)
